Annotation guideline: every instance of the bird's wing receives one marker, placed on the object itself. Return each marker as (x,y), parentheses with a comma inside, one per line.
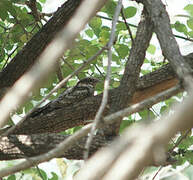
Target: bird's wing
(68,97)
(52,105)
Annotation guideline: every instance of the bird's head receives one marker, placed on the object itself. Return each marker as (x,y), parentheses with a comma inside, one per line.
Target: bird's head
(88,81)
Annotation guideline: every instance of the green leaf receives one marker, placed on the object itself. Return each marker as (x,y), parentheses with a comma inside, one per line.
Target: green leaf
(95,22)
(23,38)
(54,176)
(89,33)
(169,102)
(3,13)
(72,82)
(9,7)
(122,50)
(43,174)
(42,1)
(11,177)
(125,123)
(6,6)
(189,9)
(110,8)
(146,60)
(105,28)
(163,109)
(104,36)
(180,27)
(190,33)
(2,54)
(92,49)
(18,1)
(115,69)
(186,143)
(146,114)
(76,128)
(28,106)
(189,156)
(151,49)
(121,26)
(115,83)
(74,54)
(130,12)
(10,122)
(39,6)
(179,161)
(190,23)
(116,59)
(83,43)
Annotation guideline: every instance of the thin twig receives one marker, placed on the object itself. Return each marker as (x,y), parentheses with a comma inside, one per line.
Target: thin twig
(6,39)
(98,70)
(106,84)
(23,28)
(181,139)
(132,25)
(160,168)
(34,12)
(5,28)
(152,109)
(170,151)
(39,172)
(68,64)
(93,64)
(9,55)
(47,14)
(21,177)
(35,25)
(110,19)
(127,25)
(59,72)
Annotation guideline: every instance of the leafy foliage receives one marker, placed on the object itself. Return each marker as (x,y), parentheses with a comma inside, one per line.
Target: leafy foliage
(18,25)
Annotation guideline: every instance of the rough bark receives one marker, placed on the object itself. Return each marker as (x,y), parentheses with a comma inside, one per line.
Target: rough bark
(21,146)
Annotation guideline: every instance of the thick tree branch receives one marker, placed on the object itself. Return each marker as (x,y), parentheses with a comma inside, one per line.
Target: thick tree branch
(169,46)
(65,118)
(20,146)
(127,86)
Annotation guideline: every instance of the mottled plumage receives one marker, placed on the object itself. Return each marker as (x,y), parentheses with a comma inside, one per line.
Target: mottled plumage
(83,89)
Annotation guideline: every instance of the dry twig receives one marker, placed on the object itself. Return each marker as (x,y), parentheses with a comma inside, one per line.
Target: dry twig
(107,81)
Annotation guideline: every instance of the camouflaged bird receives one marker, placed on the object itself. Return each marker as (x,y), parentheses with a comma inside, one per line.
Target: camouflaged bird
(83,89)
